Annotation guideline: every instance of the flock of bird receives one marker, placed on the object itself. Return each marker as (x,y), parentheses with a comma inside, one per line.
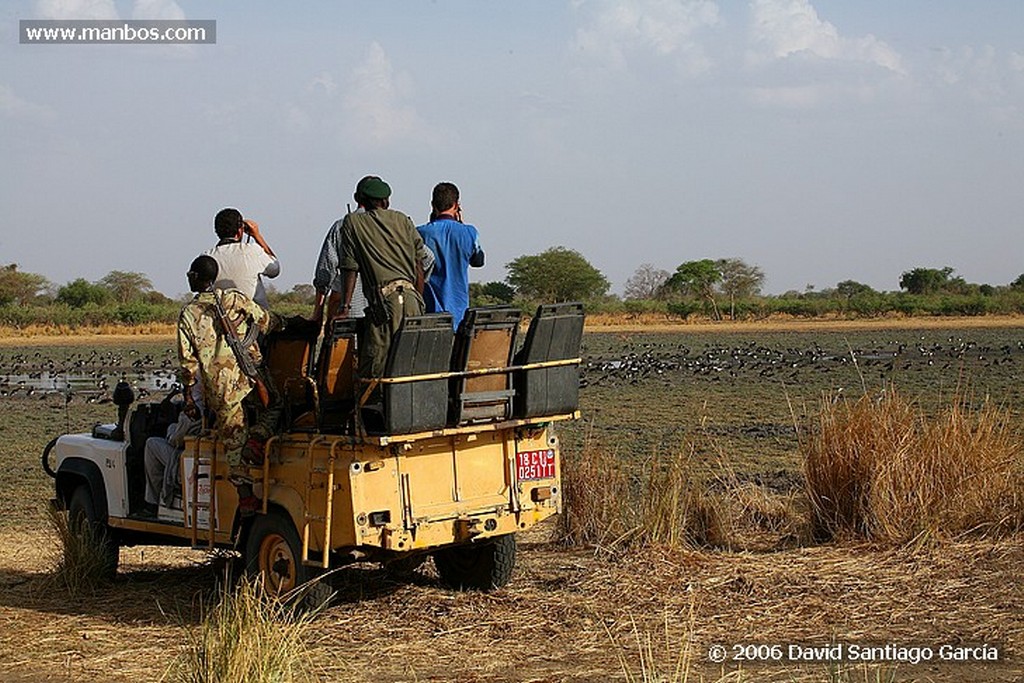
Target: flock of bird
(92,376)
(89,377)
(653,360)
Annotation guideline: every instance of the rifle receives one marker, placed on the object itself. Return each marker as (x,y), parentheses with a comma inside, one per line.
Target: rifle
(240,347)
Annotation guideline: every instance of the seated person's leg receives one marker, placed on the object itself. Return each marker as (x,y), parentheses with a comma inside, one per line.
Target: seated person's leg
(154,457)
(172,479)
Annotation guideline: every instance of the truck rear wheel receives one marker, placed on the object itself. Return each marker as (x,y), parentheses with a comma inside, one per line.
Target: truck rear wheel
(274,553)
(482,566)
(84,522)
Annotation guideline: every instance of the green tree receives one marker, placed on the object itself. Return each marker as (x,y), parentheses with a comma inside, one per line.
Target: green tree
(490,293)
(81,292)
(926,280)
(20,288)
(299,294)
(558,274)
(851,288)
(645,283)
(739,281)
(697,279)
(1018,284)
(126,286)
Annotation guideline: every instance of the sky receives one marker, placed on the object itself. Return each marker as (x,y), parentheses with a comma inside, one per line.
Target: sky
(821,140)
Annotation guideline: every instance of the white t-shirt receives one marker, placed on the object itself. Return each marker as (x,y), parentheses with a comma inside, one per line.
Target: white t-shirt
(240,266)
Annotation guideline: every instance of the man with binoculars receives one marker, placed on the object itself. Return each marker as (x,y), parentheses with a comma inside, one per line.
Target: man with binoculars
(242,265)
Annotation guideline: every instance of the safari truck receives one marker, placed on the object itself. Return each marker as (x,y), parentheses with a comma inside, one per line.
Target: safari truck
(456,454)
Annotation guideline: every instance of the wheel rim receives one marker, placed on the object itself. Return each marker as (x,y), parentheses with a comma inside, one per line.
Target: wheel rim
(277,564)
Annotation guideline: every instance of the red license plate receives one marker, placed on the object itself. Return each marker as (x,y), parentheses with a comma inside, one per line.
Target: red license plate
(535,464)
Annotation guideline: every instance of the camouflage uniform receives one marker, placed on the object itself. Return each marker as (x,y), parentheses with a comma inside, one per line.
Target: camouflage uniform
(205,356)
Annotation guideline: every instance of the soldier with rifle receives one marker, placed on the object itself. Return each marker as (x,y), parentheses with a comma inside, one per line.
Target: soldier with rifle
(217,347)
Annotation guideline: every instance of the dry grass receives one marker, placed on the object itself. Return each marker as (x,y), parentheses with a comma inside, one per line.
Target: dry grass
(565,617)
(80,566)
(60,333)
(879,468)
(613,505)
(247,637)
(670,502)
(603,322)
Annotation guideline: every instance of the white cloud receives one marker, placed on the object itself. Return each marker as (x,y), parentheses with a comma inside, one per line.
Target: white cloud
(157,9)
(780,28)
(1017,61)
(613,31)
(14,107)
(376,103)
(106,9)
(75,9)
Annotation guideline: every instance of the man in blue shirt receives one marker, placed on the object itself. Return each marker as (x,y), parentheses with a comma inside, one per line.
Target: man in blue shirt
(456,247)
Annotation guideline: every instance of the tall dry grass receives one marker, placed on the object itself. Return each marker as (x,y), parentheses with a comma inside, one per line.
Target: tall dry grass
(81,565)
(610,503)
(879,468)
(248,636)
(670,500)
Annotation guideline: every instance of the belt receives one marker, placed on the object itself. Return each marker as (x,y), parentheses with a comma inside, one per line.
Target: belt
(394,286)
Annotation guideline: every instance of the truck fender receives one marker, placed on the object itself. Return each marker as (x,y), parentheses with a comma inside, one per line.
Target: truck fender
(289,500)
(283,499)
(72,472)
(46,458)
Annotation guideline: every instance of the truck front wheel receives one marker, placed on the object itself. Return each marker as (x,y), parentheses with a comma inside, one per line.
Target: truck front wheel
(84,523)
(273,552)
(485,565)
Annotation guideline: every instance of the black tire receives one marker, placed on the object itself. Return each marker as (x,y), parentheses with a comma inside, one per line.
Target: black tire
(274,553)
(82,519)
(484,566)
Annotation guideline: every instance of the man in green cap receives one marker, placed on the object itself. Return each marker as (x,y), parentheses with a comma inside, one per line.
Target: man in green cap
(384,248)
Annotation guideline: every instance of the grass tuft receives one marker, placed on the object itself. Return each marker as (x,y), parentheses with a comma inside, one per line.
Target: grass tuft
(81,565)
(673,502)
(247,637)
(879,468)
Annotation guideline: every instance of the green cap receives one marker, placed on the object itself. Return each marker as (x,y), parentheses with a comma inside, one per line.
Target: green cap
(373,187)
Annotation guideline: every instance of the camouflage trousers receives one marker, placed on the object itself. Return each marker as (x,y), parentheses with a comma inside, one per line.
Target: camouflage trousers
(233,430)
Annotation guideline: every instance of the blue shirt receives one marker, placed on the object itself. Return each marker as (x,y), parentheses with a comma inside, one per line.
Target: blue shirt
(453,244)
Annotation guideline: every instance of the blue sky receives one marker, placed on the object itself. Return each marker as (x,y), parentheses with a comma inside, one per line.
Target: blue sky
(821,140)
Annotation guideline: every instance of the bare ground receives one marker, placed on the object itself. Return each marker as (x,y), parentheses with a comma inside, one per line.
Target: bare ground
(567,616)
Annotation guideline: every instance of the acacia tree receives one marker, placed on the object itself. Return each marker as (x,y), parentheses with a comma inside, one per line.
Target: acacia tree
(126,286)
(646,282)
(926,280)
(697,279)
(20,288)
(558,274)
(739,280)
(851,288)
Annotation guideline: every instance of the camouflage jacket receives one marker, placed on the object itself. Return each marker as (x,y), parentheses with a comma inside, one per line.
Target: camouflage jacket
(204,353)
